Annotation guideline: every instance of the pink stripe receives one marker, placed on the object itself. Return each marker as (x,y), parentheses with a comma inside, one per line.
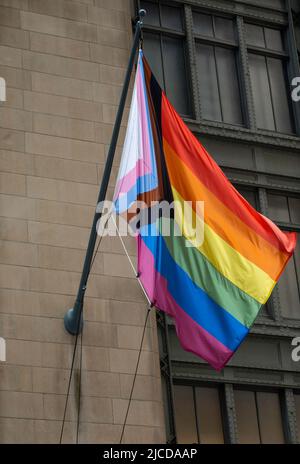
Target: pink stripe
(143,165)
(191,335)
(144,121)
(125,184)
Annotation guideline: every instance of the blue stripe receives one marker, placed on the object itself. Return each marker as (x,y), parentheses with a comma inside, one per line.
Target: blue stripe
(149,181)
(143,184)
(191,298)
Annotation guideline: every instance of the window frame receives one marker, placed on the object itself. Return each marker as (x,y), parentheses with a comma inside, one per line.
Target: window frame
(230,45)
(242,132)
(284,58)
(272,326)
(291,227)
(228,411)
(161,32)
(222,403)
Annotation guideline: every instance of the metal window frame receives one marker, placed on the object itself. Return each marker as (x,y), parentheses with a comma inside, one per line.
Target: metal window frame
(223,403)
(274,327)
(241,10)
(228,408)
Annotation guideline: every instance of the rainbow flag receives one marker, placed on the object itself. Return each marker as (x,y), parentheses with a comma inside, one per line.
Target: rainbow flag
(214,288)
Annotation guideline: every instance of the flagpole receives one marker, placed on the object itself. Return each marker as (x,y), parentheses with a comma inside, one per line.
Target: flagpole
(73,319)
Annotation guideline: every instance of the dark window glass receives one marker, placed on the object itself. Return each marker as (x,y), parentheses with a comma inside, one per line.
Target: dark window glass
(185,417)
(219,87)
(171,17)
(224,29)
(278,208)
(269,81)
(294,207)
(273,39)
(261,92)
(288,288)
(203,24)
(269,417)
(269,93)
(162,15)
(175,75)
(152,49)
(209,89)
(249,195)
(255,35)
(167,60)
(284,209)
(247,420)
(297,405)
(152,16)
(198,415)
(259,417)
(280,98)
(229,86)
(214,26)
(209,418)
(264,37)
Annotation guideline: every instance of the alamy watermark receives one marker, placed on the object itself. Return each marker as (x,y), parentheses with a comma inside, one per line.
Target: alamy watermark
(2,90)
(296,349)
(178,218)
(2,350)
(296,89)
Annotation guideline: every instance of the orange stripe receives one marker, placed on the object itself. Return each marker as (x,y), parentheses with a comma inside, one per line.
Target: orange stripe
(221,219)
(190,150)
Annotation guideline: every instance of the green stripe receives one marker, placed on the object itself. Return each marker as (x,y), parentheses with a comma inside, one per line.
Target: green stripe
(238,303)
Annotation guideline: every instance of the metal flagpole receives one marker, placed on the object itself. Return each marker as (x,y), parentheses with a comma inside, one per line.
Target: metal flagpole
(73,319)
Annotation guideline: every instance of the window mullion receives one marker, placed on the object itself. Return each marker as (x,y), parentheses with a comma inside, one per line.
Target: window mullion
(290,416)
(192,65)
(218,82)
(230,414)
(246,90)
(293,67)
(271,92)
(197,415)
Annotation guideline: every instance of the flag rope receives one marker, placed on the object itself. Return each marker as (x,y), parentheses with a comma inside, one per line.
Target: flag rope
(135,373)
(79,388)
(150,306)
(131,263)
(74,353)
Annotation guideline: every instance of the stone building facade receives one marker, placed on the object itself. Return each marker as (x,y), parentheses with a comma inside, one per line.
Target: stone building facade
(64,63)
(227,67)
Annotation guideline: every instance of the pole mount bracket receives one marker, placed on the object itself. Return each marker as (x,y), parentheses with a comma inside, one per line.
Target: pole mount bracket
(71,321)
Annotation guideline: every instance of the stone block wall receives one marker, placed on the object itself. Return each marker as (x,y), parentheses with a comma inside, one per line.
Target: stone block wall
(64,64)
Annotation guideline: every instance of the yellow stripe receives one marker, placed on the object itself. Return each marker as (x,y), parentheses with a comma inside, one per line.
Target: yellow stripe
(235,267)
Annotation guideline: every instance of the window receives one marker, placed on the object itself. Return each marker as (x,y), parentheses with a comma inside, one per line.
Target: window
(164,46)
(286,212)
(217,68)
(258,417)
(267,62)
(198,415)
(249,195)
(297,407)
(215,57)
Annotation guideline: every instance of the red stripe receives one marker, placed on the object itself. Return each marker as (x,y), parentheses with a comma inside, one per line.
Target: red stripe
(190,150)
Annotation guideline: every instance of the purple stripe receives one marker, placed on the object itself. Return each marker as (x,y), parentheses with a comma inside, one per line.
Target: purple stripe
(143,165)
(191,335)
